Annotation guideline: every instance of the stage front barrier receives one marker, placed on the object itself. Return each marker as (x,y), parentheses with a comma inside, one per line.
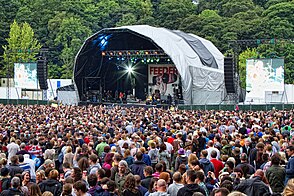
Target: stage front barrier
(24,102)
(255,107)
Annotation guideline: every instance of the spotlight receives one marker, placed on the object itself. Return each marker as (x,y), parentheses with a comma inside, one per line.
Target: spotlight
(103,53)
(130,69)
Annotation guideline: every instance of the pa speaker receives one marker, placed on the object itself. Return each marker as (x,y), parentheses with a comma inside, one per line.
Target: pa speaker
(229,74)
(42,73)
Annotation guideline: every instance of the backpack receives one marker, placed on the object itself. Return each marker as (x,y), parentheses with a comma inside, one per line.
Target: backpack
(154,156)
(60,157)
(90,168)
(227,150)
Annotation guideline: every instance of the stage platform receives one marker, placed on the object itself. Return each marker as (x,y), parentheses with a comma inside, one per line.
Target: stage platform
(128,105)
(227,107)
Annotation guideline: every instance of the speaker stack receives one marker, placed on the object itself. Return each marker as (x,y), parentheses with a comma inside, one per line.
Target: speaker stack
(229,74)
(42,73)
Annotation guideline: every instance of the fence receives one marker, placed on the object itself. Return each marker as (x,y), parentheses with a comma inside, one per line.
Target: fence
(24,102)
(254,107)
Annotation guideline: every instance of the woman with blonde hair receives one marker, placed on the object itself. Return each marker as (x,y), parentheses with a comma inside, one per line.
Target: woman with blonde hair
(69,156)
(191,158)
(289,188)
(40,176)
(51,184)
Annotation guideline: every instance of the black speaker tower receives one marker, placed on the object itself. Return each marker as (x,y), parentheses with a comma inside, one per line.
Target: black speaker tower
(229,74)
(42,73)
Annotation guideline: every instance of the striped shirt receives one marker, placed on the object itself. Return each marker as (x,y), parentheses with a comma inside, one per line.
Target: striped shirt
(25,166)
(36,151)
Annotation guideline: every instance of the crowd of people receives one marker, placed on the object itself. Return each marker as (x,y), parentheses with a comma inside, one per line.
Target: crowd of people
(119,151)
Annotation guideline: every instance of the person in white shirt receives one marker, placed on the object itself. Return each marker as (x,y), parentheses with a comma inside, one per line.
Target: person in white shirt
(32,164)
(210,149)
(13,148)
(169,147)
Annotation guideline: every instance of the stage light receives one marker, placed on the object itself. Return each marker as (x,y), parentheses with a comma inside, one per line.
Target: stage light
(130,69)
(146,52)
(120,53)
(103,54)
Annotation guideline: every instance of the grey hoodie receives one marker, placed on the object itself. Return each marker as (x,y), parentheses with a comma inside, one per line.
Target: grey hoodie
(174,188)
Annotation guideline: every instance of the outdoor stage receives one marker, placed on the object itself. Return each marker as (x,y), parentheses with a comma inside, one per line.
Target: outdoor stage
(127,105)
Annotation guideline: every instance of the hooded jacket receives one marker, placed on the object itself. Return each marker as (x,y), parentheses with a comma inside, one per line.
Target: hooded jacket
(12,191)
(276,177)
(254,186)
(207,165)
(138,168)
(181,160)
(52,186)
(190,189)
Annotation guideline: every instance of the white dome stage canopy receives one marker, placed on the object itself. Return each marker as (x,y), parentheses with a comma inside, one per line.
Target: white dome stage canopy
(199,63)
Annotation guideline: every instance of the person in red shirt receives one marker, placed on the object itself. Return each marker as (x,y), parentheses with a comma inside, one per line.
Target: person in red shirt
(218,165)
(170,139)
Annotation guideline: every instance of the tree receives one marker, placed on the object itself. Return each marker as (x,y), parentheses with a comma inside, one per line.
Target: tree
(232,7)
(8,10)
(171,13)
(21,47)
(280,22)
(71,35)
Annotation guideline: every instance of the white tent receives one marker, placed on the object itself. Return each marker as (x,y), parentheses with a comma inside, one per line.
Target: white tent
(199,62)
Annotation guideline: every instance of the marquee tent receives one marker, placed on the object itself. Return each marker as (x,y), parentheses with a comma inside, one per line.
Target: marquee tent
(199,63)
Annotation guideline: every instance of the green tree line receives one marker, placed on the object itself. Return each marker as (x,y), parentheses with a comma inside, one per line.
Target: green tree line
(63,25)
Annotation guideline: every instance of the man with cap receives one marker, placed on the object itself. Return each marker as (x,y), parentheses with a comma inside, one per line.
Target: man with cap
(255,186)
(181,158)
(47,164)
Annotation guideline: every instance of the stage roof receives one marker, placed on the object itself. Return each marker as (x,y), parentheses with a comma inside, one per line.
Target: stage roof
(185,50)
